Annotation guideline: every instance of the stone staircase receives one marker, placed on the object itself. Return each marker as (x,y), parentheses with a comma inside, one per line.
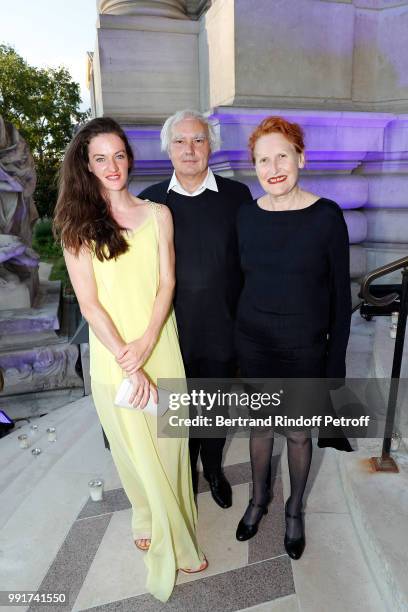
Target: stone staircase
(378,502)
(36,358)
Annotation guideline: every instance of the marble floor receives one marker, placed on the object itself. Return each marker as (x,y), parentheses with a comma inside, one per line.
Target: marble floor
(53,538)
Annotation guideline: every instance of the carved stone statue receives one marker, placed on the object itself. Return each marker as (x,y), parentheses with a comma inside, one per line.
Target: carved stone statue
(18,261)
(33,357)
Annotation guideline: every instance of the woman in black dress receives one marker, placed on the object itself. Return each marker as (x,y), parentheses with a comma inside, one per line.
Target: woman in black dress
(294,313)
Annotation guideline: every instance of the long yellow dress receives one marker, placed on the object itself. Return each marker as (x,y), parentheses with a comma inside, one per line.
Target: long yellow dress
(155,471)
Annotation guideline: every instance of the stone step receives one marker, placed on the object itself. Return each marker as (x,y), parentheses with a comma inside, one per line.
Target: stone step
(42,317)
(355,300)
(378,507)
(41,368)
(33,356)
(377,501)
(27,405)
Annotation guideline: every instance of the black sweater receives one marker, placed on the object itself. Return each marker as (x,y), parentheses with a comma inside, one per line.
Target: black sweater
(208,273)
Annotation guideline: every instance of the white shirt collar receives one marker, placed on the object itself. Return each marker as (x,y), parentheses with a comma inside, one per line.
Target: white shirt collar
(208,183)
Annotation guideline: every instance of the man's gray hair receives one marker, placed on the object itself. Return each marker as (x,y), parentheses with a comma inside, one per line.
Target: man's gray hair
(166,132)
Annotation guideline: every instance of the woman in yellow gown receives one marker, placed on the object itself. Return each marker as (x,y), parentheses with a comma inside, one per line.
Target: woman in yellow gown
(120,258)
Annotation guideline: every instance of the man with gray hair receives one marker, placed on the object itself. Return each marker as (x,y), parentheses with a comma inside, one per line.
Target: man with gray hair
(208,272)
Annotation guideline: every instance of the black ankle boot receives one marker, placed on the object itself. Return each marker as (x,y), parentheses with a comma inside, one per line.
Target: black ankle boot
(294,546)
(246,532)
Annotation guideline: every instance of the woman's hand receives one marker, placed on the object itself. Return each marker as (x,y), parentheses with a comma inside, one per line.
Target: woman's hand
(142,387)
(134,355)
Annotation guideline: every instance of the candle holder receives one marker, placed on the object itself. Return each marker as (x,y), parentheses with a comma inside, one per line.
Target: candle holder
(394,318)
(23,441)
(395,440)
(36,452)
(96,489)
(51,434)
(33,430)
(393,331)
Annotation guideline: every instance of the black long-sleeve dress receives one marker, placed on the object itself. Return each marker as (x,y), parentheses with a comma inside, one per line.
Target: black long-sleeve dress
(294,312)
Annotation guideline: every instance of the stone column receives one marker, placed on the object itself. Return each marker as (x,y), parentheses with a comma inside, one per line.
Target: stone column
(173,9)
(145,65)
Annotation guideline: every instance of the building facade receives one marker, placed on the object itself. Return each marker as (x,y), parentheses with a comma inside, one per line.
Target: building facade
(337,67)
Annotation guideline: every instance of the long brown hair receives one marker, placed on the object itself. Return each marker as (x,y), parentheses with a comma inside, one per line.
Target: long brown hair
(82,217)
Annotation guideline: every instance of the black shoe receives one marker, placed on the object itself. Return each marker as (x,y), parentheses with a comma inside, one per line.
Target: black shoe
(220,489)
(340,444)
(246,532)
(294,547)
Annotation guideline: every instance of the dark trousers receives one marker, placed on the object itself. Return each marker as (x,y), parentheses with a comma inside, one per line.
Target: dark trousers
(209,449)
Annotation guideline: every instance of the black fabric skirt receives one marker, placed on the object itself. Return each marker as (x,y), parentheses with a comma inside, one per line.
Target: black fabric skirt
(284,350)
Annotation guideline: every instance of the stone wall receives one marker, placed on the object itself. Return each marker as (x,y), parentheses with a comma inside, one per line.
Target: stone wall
(357,159)
(308,54)
(152,59)
(339,68)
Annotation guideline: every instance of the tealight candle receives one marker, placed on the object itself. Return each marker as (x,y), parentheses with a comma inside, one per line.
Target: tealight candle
(96,489)
(393,331)
(394,318)
(52,434)
(23,440)
(36,452)
(33,430)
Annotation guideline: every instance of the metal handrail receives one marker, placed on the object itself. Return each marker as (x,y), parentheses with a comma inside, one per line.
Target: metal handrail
(386,463)
(385,300)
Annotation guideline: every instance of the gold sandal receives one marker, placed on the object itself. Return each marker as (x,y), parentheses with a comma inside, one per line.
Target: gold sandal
(202,567)
(140,546)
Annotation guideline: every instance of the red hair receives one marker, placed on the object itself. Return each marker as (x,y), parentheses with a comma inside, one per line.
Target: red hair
(277,125)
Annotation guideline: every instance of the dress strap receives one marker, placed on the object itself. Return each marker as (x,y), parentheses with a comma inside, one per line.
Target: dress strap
(156,209)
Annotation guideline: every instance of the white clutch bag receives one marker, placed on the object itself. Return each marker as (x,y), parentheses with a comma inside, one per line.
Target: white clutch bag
(125,390)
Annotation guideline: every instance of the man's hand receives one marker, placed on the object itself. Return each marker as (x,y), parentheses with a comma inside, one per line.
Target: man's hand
(142,387)
(135,354)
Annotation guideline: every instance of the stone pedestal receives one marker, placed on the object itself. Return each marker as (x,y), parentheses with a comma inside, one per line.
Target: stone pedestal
(34,358)
(328,54)
(152,59)
(145,64)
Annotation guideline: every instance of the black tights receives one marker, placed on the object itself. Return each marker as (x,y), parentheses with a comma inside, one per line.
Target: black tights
(299,460)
